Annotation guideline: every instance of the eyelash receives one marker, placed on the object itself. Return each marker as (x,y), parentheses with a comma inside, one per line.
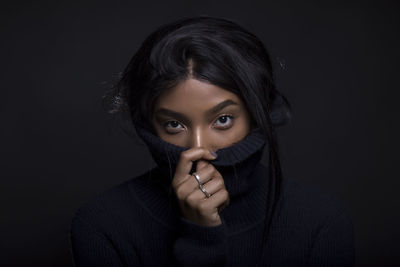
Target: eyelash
(230,117)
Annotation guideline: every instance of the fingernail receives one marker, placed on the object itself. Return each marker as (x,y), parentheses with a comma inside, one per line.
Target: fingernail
(213,153)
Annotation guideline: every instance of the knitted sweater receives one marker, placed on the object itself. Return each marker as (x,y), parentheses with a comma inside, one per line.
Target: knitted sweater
(138,223)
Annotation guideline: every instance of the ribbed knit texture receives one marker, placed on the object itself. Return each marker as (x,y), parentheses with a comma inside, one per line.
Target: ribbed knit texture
(138,222)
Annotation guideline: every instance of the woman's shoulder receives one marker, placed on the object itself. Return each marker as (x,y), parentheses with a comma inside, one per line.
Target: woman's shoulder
(304,198)
(115,203)
(310,204)
(310,196)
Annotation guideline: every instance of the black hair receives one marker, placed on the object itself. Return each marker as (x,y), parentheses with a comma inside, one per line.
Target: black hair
(213,50)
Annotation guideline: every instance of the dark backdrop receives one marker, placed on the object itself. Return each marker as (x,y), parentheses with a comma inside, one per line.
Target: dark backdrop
(337,63)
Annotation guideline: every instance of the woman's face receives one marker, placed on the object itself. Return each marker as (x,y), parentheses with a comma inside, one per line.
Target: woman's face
(199,114)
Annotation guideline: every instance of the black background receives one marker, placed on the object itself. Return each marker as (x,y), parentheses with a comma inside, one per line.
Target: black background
(337,63)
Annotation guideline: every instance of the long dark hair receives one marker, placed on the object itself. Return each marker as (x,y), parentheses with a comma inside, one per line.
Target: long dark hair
(219,52)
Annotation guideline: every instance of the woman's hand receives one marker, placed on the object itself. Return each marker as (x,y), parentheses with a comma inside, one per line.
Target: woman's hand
(194,205)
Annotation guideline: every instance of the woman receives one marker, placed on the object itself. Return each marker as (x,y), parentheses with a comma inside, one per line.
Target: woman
(201,95)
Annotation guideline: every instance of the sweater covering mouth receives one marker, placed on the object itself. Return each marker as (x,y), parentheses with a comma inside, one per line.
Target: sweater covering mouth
(235,162)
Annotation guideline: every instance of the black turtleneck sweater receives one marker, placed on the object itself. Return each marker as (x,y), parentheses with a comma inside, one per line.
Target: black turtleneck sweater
(138,223)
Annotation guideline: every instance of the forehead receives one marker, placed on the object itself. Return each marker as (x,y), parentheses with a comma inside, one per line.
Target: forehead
(193,94)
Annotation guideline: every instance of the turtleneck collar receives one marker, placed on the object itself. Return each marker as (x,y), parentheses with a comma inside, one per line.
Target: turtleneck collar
(245,179)
(235,163)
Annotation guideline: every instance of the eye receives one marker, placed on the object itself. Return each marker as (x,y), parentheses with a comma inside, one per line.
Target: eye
(173,127)
(224,121)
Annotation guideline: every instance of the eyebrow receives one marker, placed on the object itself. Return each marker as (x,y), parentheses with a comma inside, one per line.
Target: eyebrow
(184,119)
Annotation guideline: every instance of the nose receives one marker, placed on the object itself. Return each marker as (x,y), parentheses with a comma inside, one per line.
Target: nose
(198,138)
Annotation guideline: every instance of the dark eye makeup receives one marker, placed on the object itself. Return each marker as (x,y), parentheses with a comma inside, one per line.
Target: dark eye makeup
(223,122)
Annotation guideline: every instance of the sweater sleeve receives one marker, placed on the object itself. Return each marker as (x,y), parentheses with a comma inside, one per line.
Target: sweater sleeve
(334,245)
(90,247)
(199,245)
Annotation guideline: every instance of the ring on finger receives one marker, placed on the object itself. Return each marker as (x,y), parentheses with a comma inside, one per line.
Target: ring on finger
(204,191)
(197,178)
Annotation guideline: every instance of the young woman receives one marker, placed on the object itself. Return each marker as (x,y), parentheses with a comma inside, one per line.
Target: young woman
(200,93)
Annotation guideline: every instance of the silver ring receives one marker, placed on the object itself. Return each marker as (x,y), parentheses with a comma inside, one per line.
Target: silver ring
(204,191)
(197,177)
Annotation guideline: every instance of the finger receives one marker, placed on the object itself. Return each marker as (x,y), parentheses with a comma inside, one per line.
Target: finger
(213,186)
(211,204)
(207,173)
(201,164)
(218,199)
(190,183)
(187,158)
